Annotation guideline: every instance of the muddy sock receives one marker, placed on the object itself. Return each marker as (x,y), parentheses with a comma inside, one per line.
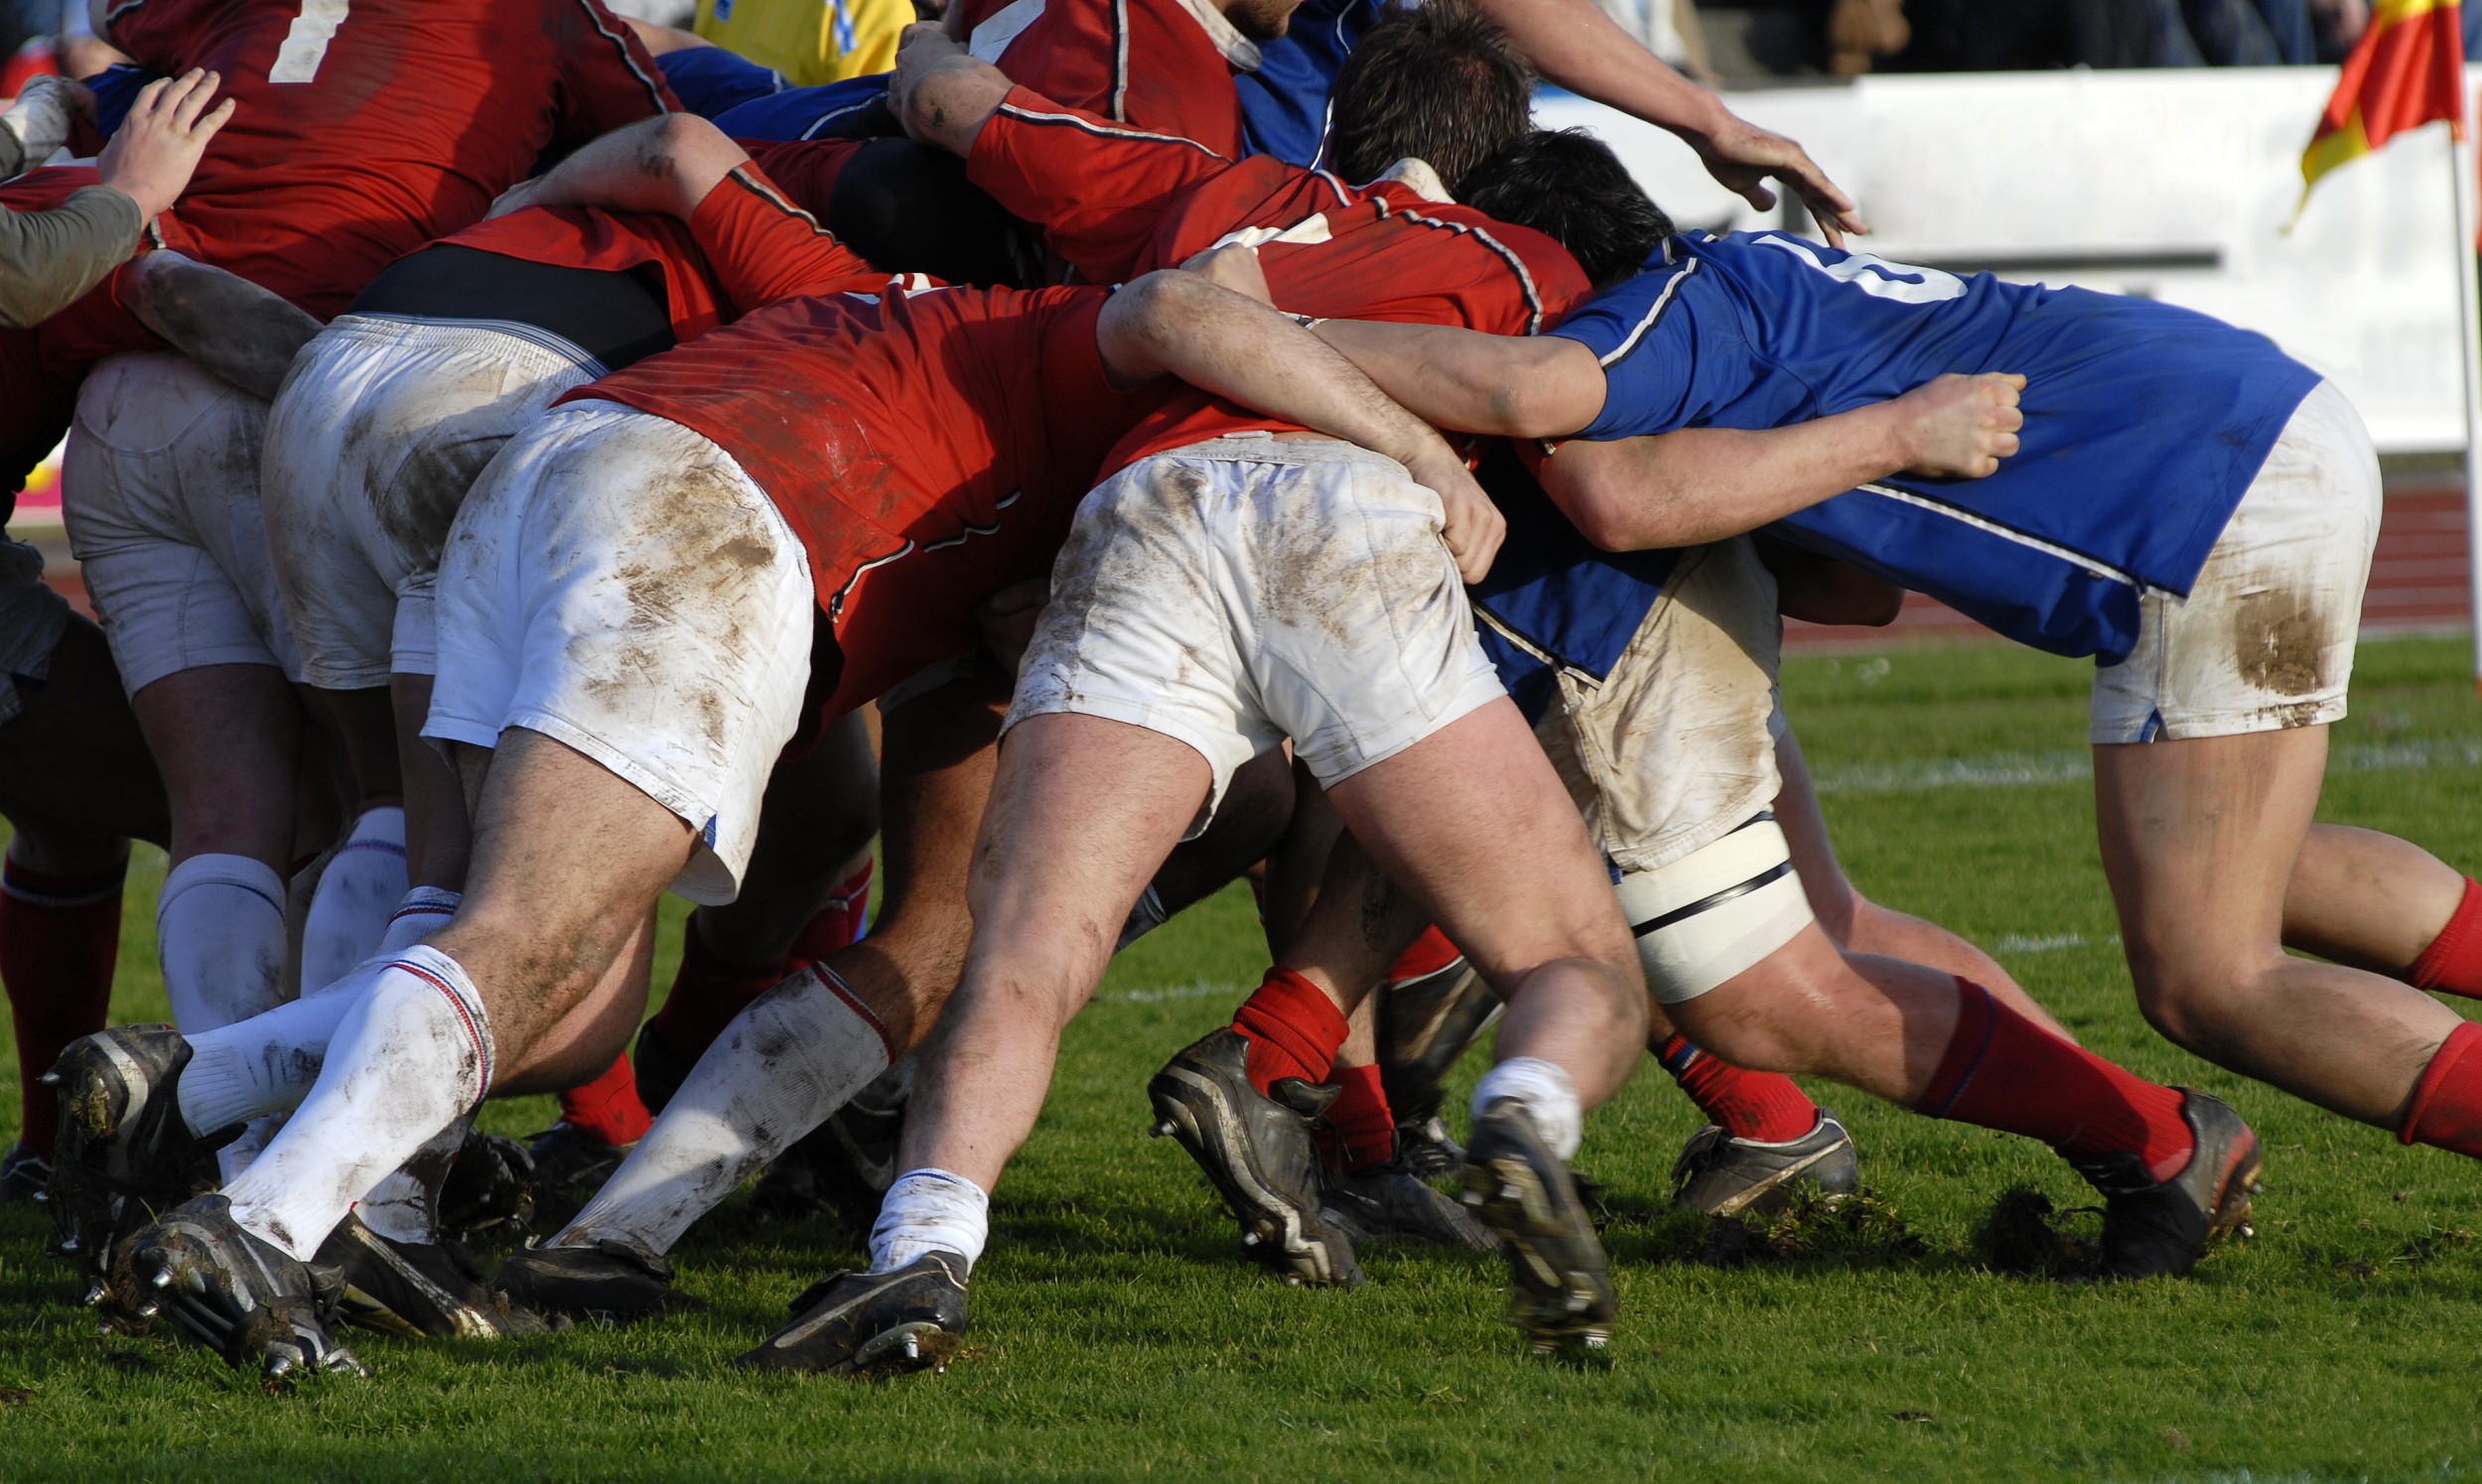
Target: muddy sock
(929,1210)
(220,935)
(60,939)
(405,1205)
(1761,1107)
(424,910)
(356,895)
(784,1064)
(1547,1093)
(267,1063)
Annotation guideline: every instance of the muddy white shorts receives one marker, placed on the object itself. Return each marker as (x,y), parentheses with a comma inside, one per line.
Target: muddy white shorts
(617,583)
(1245,590)
(380,430)
(2264,639)
(159,489)
(1671,758)
(31,620)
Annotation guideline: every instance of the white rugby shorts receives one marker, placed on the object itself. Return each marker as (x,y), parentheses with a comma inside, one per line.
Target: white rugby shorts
(31,620)
(617,583)
(1671,758)
(1244,590)
(2264,639)
(160,492)
(380,430)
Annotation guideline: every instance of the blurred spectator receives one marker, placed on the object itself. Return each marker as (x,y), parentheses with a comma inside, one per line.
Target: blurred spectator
(1848,36)
(808,42)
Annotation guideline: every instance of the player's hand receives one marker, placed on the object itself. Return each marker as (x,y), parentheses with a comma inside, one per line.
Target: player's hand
(1742,155)
(1961,427)
(1475,526)
(151,159)
(515,198)
(1233,266)
(1008,618)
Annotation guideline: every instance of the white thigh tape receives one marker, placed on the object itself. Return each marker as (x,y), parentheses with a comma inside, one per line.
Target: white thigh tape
(1713,913)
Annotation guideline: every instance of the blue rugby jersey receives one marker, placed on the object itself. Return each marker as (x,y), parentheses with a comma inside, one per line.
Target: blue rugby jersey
(2144,423)
(1284,103)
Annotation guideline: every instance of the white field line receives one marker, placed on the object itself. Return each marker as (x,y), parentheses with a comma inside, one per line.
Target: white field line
(2032,769)
(1197,988)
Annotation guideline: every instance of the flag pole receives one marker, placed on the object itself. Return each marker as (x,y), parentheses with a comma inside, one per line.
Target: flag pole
(2469,347)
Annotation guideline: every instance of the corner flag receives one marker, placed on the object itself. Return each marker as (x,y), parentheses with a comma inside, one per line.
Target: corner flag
(2407,69)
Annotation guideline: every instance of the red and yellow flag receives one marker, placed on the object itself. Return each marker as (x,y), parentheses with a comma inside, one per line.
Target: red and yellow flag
(2407,69)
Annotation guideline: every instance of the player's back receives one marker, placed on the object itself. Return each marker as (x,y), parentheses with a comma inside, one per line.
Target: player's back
(366,127)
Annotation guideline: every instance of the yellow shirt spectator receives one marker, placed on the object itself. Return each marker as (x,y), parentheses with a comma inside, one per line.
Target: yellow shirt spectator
(809,42)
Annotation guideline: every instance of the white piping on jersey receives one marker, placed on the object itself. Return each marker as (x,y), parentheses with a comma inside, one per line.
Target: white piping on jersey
(1308,231)
(306,40)
(1119,61)
(741,175)
(904,285)
(655,90)
(118,11)
(1501,627)
(1103,131)
(836,604)
(1237,50)
(829,118)
(1516,264)
(971,530)
(2007,534)
(1654,311)
(1003,26)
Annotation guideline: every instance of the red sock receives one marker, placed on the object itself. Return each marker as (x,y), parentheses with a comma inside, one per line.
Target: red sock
(1763,1107)
(60,937)
(2446,1110)
(1293,1027)
(1430,953)
(706,994)
(2452,963)
(839,924)
(607,1107)
(1365,1127)
(2003,1071)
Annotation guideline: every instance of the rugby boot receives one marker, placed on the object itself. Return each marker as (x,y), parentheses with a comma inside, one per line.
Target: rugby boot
(419,1288)
(1560,1295)
(846,1164)
(568,1167)
(1426,1025)
(244,1298)
(2160,1227)
(489,1188)
(1429,1149)
(124,1154)
(873,1324)
(607,1279)
(1258,1153)
(1727,1176)
(1391,1203)
(23,1174)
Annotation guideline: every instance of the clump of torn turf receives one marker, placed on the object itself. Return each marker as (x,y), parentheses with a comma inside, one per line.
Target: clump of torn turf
(2413,1257)
(1813,1228)
(2029,1235)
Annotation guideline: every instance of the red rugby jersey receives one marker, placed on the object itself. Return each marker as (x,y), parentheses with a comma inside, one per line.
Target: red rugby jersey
(367,128)
(928,445)
(746,245)
(1119,202)
(1165,66)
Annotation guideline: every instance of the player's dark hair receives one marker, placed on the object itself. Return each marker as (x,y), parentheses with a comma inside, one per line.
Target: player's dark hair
(1570,187)
(1433,82)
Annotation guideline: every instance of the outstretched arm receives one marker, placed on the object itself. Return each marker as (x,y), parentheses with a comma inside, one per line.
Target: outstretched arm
(664,165)
(1699,485)
(1573,44)
(1540,386)
(1176,323)
(234,330)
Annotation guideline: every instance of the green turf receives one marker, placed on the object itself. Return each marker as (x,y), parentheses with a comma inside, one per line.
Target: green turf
(1116,1337)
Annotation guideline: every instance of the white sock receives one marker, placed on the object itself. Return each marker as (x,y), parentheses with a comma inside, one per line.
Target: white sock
(356,894)
(929,1210)
(412,1055)
(793,1057)
(235,1156)
(405,1205)
(1547,1095)
(424,911)
(268,1062)
(220,935)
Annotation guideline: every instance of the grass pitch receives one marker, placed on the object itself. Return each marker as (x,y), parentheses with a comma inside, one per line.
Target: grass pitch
(1116,1334)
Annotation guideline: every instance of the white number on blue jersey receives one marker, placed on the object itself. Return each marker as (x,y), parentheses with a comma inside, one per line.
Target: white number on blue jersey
(1876,276)
(306,45)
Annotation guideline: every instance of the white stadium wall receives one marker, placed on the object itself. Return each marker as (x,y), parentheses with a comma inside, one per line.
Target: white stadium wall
(2171,183)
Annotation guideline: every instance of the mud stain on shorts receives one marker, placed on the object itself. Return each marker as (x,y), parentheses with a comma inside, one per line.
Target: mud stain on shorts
(2281,642)
(1310,579)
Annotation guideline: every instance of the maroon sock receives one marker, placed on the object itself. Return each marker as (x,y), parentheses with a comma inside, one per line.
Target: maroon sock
(2447,1111)
(1762,1107)
(2453,964)
(60,939)
(1430,953)
(607,1107)
(1365,1127)
(2003,1071)
(707,993)
(839,924)
(1293,1027)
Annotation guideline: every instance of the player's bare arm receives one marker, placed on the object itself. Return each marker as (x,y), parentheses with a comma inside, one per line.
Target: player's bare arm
(666,164)
(1177,323)
(1573,44)
(236,330)
(151,158)
(1701,485)
(940,91)
(1472,383)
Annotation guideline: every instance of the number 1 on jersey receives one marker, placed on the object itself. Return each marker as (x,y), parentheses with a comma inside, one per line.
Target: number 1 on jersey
(306,45)
(1876,276)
